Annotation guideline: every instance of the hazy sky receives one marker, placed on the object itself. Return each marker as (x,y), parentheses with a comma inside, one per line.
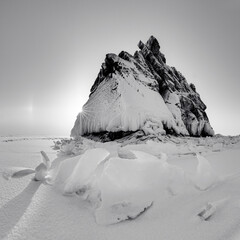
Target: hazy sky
(51,52)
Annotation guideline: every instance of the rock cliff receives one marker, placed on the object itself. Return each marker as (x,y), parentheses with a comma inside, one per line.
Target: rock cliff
(141,92)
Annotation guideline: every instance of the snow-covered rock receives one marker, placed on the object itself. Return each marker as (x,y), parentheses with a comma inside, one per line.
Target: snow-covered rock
(141,92)
(122,103)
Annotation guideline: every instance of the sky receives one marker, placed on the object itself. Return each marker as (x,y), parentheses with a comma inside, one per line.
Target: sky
(51,52)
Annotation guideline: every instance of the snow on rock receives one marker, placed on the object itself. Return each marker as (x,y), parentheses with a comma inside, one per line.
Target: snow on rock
(141,92)
(172,81)
(173,103)
(122,103)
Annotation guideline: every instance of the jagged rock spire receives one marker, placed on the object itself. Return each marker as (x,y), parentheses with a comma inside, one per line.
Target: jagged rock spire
(142,92)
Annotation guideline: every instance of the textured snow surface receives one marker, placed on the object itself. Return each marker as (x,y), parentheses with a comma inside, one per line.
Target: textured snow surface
(108,108)
(118,183)
(123,187)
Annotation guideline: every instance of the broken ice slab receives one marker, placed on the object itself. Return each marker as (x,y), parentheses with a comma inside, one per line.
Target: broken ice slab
(208,210)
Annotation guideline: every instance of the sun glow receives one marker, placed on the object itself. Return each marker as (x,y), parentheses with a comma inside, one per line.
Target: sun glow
(30,108)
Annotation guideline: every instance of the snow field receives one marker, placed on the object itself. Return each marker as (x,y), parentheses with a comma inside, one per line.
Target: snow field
(179,210)
(120,188)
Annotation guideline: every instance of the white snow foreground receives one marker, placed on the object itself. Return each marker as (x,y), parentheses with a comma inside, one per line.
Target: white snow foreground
(124,186)
(187,210)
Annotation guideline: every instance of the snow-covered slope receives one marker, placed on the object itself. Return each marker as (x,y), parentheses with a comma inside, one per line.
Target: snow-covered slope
(141,92)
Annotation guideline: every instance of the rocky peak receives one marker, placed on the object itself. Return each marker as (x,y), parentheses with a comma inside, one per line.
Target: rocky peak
(147,70)
(153,45)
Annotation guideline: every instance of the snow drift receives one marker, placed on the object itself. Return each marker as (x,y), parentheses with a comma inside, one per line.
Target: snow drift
(122,187)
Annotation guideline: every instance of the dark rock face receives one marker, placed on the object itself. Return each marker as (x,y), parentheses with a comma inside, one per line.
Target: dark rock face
(172,81)
(178,95)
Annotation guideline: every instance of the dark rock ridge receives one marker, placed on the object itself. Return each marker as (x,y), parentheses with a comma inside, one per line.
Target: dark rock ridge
(181,98)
